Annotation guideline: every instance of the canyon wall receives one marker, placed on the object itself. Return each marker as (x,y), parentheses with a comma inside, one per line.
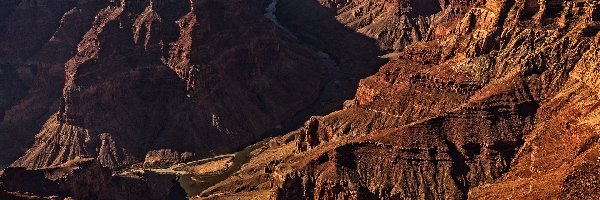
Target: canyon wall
(466,99)
(200,77)
(502,106)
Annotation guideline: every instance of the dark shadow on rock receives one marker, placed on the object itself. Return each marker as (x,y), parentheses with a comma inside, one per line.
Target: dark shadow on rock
(126,90)
(32,60)
(352,56)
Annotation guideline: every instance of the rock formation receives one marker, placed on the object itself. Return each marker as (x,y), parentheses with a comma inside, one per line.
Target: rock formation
(32,61)
(466,99)
(502,107)
(78,178)
(86,179)
(172,75)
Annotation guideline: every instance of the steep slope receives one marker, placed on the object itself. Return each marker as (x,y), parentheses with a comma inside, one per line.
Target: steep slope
(86,179)
(502,107)
(33,64)
(156,75)
(479,99)
(560,157)
(393,24)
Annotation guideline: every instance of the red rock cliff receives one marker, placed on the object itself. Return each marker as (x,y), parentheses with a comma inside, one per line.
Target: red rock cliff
(503,106)
(204,77)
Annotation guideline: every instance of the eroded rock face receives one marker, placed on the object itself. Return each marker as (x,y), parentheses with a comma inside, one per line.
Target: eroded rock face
(78,179)
(165,158)
(87,179)
(392,23)
(480,99)
(503,107)
(145,185)
(151,75)
(32,61)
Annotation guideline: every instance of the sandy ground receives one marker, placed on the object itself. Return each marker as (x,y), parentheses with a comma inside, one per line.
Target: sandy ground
(210,167)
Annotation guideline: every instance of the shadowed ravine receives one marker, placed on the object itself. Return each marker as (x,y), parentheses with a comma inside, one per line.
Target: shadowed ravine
(328,100)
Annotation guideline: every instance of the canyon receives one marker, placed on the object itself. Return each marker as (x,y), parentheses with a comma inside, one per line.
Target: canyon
(357,99)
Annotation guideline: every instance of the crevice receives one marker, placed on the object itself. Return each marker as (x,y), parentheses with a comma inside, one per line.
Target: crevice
(459,170)
(590,31)
(507,149)
(588,144)
(473,150)
(344,156)
(532,7)
(596,14)
(553,10)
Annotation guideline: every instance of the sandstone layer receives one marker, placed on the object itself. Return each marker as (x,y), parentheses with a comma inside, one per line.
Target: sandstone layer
(503,106)
(466,99)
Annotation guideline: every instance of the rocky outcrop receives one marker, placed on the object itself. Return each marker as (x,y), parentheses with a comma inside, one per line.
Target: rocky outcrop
(503,107)
(171,75)
(87,179)
(478,99)
(165,158)
(558,154)
(78,179)
(144,185)
(33,64)
(393,24)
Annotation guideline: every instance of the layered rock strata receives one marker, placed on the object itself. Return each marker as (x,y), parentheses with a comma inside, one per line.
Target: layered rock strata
(503,107)
(154,75)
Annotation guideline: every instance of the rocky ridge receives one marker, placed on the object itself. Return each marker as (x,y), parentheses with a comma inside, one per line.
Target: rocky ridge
(505,111)
(479,99)
(32,64)
(86,179)
(148,73)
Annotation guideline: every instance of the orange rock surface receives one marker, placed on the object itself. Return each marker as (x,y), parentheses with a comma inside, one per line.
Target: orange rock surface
(368,99)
